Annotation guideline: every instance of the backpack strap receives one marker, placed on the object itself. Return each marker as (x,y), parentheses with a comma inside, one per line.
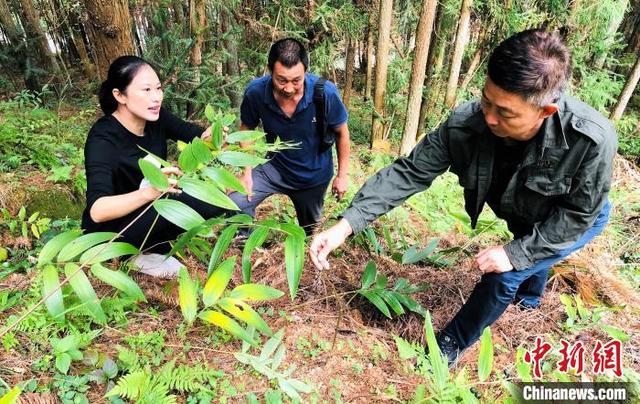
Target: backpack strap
(318,100)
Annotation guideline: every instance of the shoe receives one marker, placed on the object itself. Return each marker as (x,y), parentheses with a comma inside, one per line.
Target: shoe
(522,305)
(157,265)
(449,348)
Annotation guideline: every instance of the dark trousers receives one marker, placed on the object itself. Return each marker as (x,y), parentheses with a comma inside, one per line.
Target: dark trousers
(493,294)
(267,181)
(162,231)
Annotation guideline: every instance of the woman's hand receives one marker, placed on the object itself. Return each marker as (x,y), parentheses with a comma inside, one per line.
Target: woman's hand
(151,193)
(206,135)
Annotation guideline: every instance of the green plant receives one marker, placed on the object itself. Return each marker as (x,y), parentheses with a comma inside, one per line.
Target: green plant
(65,350)
(268,362)
(374,288)
(234,302)
(21,225)
(579,317)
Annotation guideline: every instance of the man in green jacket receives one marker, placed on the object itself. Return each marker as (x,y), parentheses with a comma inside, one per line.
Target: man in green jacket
(540,159)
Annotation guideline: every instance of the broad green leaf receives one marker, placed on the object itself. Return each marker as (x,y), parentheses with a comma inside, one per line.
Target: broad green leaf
(161,162)
(222,244)
(178,213)
(582,311)
(118,280)
(12,396)
(217,135)
(83,243)
(105,252)
(207,192)
(392,301)
(300,386)
(55,245)
(485,359)
(218,281)
(224,179)
(22,213)
(187,295)
(523,368)
(439,363)
(240,159)
(228,119)
(369,275)
(187,160)
(255,292)
(255,240)
(293,229)
(245,313)
(33,217)
(65,344)
(278,357)
(240,218)
(294,262)
(412,255)
(381,281)
(245,136)
(569,308)
(63,361)
(409,303)
(286,386)
(271,345)
(188,238)
(51,283)
(227,324)
(200,151)
(376,300)
(209,113)
(154,175)
(615,333)
(82,287)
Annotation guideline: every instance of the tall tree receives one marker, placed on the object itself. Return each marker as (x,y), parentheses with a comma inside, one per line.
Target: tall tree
(423,42)
(615,19)
(370,50)
(31,20)
(109,30)
(197,21)
(18,50)
(458,52)
(231,67)
(382,62)
(627,91)
(348,70)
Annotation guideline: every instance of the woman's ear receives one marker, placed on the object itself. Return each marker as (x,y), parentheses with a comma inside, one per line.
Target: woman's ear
(119,96)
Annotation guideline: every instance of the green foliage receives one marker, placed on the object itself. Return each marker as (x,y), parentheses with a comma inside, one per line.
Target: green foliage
(21,225)
(579,317)
(65,350)
(234,302)
(374,288)
(269,361)
(146,386)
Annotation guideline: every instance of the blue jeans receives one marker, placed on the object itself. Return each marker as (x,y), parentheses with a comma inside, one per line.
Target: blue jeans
(493,294)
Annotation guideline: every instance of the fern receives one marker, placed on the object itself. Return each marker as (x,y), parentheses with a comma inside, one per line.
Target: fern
(142,387)
(188,379)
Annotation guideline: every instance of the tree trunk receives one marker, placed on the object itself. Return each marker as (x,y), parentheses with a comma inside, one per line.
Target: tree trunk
(423,42)
(458,52)
(382,62)
(18,52)
(475,61)
(370,55)
(197,25)
(348,71)
(614,24)
(76,30)
(31,19)
(432,70)
(109,29)
(627,91)
(178,13)
(231,63)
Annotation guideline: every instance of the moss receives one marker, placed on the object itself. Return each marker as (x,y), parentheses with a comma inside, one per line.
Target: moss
(56,203)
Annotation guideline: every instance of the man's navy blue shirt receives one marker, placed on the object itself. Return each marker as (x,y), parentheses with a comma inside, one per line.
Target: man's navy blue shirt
(306,166)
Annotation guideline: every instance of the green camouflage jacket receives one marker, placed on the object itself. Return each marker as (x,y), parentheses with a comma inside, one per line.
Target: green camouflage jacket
(554,196)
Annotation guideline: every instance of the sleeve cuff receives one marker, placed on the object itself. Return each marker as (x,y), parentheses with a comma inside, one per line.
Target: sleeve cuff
(519,258)
(355,220)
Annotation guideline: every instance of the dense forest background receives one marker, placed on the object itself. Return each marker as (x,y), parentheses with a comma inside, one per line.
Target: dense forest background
(400,66)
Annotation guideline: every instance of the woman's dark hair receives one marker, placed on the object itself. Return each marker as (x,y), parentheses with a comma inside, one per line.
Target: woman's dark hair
(534,63)
(121,72)
(289,52)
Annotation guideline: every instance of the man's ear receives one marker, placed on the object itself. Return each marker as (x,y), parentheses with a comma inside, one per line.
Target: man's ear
(117,94)
(549,110)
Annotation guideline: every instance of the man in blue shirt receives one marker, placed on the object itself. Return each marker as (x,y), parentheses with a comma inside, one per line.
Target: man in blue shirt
(283,103)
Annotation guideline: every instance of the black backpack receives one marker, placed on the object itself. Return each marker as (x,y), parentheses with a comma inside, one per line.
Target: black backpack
(327,136)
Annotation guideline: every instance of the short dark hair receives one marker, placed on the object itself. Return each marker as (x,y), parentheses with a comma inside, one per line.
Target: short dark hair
(534,63)
(121,73)
(289,52)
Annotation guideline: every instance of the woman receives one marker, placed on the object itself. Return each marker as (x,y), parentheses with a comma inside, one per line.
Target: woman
(131,99)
